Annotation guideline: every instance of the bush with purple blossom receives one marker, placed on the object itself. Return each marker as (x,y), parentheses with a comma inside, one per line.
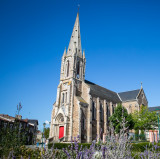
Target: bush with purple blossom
(116,146)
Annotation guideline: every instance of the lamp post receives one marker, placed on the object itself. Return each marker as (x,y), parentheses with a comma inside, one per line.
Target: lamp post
(44,124)
(42,139)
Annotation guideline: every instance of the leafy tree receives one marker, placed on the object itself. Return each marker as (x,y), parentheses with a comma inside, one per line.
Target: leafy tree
(46,132)
(116,119)
(142,136)
(11,137)
(144,119)
(136,135)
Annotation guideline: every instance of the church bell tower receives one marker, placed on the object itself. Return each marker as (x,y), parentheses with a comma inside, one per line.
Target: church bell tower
(73,61)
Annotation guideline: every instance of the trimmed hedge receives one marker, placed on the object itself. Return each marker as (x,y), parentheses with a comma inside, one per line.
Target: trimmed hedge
(66,145)
(141,147)
(136,147)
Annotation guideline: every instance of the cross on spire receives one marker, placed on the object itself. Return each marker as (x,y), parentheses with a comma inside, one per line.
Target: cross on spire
(78,7)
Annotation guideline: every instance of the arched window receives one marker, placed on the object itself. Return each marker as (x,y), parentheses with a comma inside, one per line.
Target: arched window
(62,98)
(82,120)
(78,68)
(101,112)
(93,111)
(66,98)
(112,109)
(67,68)
(83,123)
(108,112)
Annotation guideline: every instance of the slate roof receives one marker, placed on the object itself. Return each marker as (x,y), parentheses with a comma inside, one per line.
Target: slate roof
(33,121)
(157,108)
(103,92)
(129,95)
(10,118)
(81,100)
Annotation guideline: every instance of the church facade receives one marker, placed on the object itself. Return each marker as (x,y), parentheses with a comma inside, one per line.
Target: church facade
(83,108)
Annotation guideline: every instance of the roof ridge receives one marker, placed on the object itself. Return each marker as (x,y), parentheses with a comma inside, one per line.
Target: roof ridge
(130,91)
(100,86)
(153,106)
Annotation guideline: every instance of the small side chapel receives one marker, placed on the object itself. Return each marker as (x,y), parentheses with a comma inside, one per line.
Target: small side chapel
(82,107)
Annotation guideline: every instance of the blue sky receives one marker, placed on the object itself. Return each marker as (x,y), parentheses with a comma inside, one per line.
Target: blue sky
(121,41)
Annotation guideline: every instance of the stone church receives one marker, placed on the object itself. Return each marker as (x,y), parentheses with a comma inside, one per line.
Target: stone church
(83,108)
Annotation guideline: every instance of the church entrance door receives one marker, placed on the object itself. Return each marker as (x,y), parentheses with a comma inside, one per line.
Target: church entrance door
(61,131)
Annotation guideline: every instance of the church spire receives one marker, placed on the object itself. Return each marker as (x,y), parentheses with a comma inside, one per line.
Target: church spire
(75,41)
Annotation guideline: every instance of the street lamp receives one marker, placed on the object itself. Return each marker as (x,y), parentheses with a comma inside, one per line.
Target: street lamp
(44,125)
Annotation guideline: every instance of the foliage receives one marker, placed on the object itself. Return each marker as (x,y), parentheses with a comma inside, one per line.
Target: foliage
(26,153)
(136,135)
(150,153)
(58,145)
(142,136)
(141,147)
(46,132)
(66,145)
(11,137)
(144,119)
(115,147)
(116,119)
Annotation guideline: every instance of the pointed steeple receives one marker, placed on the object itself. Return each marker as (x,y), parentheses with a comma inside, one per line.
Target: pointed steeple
(75,41)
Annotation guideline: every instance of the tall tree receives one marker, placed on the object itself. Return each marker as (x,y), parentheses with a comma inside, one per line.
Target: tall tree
(117,117)
(144,119)
(12,136)
(46,133)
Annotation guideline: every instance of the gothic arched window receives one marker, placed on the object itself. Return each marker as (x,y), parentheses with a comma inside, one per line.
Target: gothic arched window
(93,111)
(66,98)
(112,109)
(83,123)
(101,112)
(82,120)
(67,68)
(107,112)
(62,98)
(78,69)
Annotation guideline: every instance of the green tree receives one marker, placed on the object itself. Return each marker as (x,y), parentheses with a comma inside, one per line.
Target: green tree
(46,132)
(144,119)
(116,119)
(12,136)
(136,135)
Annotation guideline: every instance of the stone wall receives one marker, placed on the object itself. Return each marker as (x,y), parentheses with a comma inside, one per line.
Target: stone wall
(142,100)
(76,119)
(131,106)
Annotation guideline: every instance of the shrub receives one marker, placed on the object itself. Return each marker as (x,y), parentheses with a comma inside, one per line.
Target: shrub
(117,146)
(141,147)
(66,145)
(58,145)
(142,136)
(136,135)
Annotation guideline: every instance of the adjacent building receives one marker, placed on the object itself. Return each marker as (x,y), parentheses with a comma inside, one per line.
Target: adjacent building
(155,109)
(29,127)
